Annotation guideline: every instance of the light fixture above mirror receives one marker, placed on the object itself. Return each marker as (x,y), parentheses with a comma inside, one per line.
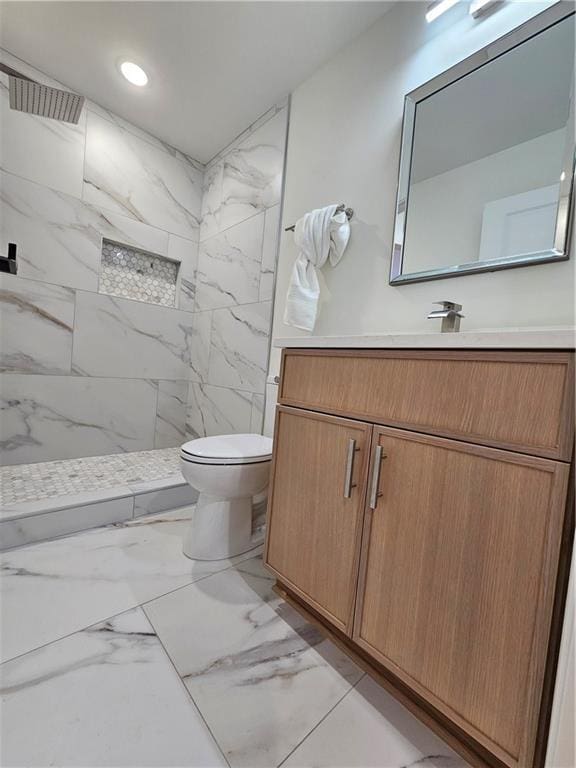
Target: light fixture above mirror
(487,158)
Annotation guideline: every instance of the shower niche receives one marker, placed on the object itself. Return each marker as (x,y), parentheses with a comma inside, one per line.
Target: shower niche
(131,273)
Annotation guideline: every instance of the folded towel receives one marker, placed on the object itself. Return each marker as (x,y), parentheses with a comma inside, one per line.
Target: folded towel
(320,235)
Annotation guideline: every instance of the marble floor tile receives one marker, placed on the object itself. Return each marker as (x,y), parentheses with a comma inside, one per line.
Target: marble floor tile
(128,175)
(239,346)
(142,340)
(370,729)
(260,675)
(60,237)
(171,414)
(54,588)
(252,177)
(49,152)
(63,417)
(36,325)
(229,266)
(217,411)
(105,696)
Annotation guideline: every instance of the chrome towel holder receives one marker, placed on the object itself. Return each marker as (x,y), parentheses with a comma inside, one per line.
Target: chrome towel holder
(341,208)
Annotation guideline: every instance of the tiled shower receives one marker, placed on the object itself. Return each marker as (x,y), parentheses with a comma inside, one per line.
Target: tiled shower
(87,371)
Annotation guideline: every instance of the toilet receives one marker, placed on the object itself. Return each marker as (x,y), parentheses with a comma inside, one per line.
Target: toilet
(227,470)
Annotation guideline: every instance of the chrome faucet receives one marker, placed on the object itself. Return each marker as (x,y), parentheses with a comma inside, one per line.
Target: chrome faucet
(450,314)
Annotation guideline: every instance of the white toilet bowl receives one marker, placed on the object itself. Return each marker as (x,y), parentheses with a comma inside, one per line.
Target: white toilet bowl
(228,471)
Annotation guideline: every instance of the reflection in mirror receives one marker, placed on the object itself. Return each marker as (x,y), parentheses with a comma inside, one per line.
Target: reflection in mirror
(487,161)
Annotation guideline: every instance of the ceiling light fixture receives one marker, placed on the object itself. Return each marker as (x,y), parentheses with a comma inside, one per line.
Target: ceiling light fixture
(478,7)
(438,8)
(133,73)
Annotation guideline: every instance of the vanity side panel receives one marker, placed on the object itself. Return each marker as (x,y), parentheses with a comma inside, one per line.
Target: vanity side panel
(521,401)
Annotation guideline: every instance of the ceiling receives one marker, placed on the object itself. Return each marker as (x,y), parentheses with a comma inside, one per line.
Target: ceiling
(214,67)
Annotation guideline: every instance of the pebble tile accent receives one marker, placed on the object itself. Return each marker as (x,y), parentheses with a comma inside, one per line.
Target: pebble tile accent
(48,479)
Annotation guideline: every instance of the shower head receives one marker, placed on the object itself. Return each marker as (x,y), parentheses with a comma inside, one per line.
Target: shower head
(27,95)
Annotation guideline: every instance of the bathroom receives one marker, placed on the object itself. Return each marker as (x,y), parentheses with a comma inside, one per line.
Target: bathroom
(204,437)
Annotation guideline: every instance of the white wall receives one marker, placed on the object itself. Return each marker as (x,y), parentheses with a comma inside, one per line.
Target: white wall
(445,215)
(343,146)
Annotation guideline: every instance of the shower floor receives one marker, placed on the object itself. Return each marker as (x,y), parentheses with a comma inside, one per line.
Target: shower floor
(55,498)
(50,479)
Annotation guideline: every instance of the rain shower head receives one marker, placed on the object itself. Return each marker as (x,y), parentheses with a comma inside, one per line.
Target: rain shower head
(27,95)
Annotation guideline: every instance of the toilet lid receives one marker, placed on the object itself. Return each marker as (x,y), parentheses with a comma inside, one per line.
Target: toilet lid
(228,449)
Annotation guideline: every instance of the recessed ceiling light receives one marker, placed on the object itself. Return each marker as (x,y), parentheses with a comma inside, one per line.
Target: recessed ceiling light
(133,73)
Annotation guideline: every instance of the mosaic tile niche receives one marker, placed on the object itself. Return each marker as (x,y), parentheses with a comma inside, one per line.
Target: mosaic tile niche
(134,274)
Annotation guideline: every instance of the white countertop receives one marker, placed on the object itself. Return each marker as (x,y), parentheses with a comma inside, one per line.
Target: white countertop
(496,338)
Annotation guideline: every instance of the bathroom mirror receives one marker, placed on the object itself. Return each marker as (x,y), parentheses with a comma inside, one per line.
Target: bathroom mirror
(487,160)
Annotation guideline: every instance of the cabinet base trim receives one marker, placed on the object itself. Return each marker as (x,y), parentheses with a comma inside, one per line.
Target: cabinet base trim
(460,742)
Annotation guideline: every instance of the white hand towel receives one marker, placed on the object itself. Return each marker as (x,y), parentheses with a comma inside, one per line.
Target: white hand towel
(320,235)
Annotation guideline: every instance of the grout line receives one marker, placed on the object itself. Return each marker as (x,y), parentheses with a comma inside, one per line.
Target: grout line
(118,613)
(243,135)
(97,207)
(321,721)
(183,684)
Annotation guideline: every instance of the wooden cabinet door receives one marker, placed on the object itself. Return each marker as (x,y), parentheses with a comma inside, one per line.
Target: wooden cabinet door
(315,509)
(458,570)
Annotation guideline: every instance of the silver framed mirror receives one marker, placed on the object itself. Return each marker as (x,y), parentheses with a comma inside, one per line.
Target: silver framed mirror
(486,176)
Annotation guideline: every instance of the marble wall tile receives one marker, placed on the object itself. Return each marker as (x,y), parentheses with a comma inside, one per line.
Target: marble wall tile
(384,735)
(62,417)
(211,201)
(268,115)
(47,151)
(269,254)
(32,528)
(140,133)
(239,346)
(36,321)
(119,337)
(252,176)
(107,696)
(186,253)
(229,266)
(217,411)
(60,238)
(260,675)
(171,414)
(257,418)
(163,499)
(126,174)
(200,346)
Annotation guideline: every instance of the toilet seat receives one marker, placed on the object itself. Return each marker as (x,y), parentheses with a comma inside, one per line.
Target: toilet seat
(227,449)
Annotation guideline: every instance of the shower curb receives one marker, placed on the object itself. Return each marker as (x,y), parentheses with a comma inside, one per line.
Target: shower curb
(35,521)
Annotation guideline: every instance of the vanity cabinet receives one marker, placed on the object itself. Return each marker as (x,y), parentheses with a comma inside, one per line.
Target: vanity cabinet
(316,541)
(426,524)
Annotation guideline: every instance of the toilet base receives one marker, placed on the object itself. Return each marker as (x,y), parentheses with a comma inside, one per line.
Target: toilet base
(220,529)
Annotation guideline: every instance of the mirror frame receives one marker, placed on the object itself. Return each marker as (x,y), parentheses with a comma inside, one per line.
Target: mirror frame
(560,250)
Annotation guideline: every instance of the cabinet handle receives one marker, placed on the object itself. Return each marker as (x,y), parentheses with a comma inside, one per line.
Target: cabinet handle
(348,484)
(379,456)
